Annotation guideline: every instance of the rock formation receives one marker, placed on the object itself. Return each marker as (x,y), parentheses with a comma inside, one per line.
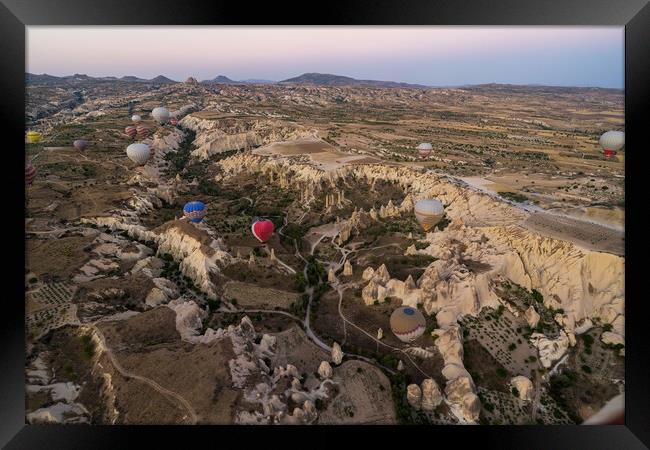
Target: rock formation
(414,396)
(337,353)
(531,317)
(325,370)
(524,386)
(431,395)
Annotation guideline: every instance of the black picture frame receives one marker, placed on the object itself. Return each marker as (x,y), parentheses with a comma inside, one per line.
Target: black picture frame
(15,15)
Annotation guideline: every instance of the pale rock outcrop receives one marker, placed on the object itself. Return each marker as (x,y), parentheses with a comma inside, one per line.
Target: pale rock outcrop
(460,394)
(368,273)
(524,386)
(347,269)
(337,354)
(532,317)
(325,370)
(414,396)
(331,277)
(380,334)
(550,350)
(431,394)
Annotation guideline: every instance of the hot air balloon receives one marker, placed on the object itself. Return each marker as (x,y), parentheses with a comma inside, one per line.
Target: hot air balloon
(428,212)
(262,229)
(136,118)
(195,211)
(424,149)
(407,323)
(131,131)
(173,121)
(80,144)
(138,153)
(161,114)
(612,142)
(34,137)
(30,173)
(142,131)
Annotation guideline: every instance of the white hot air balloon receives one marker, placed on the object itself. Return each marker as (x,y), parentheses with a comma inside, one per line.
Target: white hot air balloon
(161,114)
(428,212)
(424,149)
(136,118)
(138,153)
(612,142)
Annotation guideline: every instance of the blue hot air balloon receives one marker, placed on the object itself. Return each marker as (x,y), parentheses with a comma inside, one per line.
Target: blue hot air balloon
(195,211)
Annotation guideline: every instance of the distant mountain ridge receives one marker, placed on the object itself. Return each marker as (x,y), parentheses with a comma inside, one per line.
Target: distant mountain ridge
(46,78)
(326,79)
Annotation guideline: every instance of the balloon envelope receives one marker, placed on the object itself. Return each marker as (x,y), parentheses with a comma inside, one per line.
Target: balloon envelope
(30,173)
(424,149)
(138,153)
(161,114)
(407,323)
(136,118)
(131,131)
(33,137)
(428,212)
(80,144)
(142,131)
(262,229)
(195,211)
(612,140)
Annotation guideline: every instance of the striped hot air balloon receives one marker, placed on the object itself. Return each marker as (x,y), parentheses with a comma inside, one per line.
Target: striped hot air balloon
(131,131)
(34,137)
(30,173)
(138,153)
(195,211)
(262,229)
(428,212)
(80,144)
(612,142)
(142,131)
(424,149)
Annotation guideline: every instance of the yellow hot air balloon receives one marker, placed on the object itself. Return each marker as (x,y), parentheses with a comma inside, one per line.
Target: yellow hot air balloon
(34,137)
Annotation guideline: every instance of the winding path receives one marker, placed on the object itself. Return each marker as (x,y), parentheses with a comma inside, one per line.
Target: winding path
(157,387)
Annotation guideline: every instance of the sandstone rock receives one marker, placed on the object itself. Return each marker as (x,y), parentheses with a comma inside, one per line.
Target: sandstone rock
(381,274)
(331,277)
(337,354)
(325,370)
(368,273)
(524,386)
(550,350)
(431,394)
(347,268)
(414,396)
(532,317)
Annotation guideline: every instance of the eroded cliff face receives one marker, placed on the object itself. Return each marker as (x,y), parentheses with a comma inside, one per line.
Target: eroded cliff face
(473,208)
(226,134)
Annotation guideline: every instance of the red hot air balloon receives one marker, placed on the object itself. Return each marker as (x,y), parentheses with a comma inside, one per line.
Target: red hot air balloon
(142,131)
(262,229)
(173,121)
(131,131)
(30,173)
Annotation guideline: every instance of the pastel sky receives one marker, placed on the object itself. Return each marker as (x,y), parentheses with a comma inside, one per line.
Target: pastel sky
(435,56)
